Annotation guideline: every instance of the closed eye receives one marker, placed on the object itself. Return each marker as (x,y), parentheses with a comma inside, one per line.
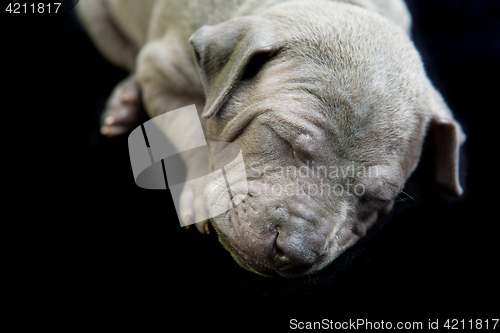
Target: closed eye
(301,147)
(300,156)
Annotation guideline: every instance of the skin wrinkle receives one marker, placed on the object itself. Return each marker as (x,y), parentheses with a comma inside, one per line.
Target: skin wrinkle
(251,227)
(260,106)
(339,226)
(265,264)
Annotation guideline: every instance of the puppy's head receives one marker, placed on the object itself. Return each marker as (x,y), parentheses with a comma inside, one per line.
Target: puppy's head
(330,107)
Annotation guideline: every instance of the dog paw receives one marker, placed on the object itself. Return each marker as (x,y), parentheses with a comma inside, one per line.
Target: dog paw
(193,208)
(124,109)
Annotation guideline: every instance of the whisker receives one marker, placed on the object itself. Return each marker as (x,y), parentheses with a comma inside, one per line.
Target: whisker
(409,197)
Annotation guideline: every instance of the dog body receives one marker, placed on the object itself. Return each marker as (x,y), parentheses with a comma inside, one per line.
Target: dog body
(328,101)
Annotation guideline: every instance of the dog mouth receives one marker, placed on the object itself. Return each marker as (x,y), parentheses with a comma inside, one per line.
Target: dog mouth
(257,249)
(250,262)
(274,265)
(288,236)
(280,268)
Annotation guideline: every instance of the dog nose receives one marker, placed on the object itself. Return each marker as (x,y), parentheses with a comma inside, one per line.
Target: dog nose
(292,255)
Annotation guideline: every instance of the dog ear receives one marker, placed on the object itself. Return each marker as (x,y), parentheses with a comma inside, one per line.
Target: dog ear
(223,52)
(448,136)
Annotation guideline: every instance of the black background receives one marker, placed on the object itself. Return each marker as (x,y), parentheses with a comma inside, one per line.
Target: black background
(80,242)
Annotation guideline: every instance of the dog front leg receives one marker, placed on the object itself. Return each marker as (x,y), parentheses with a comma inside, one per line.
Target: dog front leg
(169,81)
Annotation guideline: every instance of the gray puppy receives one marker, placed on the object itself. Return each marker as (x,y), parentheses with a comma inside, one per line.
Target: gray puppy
(328,101)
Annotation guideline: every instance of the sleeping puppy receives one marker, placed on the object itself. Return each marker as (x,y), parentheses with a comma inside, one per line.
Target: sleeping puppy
(328,101)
